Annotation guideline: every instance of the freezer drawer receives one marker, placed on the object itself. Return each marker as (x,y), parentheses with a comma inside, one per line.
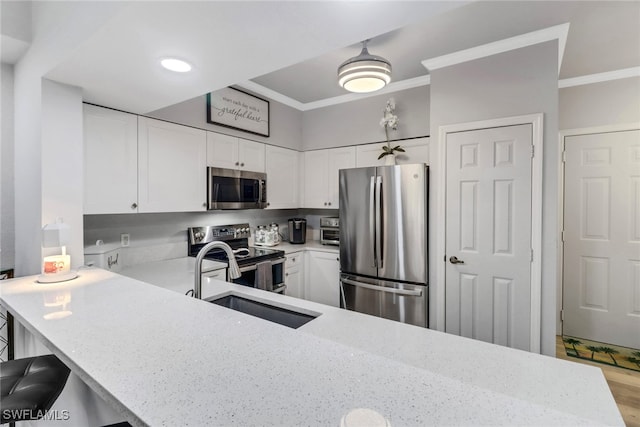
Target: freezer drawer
(403,302)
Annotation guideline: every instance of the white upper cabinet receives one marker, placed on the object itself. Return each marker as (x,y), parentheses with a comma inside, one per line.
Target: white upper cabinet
(171,167)
(110,161)
(230,152)
(416,151)
(321,175)
(282,167)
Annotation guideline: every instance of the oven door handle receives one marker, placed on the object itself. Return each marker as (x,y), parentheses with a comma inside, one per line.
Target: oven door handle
(414,293)
(253,266)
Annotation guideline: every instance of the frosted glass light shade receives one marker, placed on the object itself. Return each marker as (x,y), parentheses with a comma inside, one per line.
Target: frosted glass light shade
(364,73)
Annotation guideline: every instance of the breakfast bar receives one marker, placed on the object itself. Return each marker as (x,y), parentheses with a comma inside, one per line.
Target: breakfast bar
(159,357)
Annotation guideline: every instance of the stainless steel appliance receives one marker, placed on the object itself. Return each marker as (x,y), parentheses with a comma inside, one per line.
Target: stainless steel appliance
(236,189)
(383,242)
(330,230)
(297,230)
(261,268)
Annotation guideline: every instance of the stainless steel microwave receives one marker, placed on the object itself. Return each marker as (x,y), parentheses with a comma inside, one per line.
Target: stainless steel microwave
(236,189)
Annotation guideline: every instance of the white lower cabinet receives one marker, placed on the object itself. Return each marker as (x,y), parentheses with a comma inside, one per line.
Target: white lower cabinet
(322,282)
(294,275)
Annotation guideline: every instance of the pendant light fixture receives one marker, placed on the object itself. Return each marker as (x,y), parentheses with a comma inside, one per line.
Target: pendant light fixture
(365,72)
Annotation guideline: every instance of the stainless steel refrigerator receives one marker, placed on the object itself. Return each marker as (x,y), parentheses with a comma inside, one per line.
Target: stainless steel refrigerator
(383,242)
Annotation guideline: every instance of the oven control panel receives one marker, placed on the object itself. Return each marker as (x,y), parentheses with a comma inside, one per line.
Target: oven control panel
(198,235)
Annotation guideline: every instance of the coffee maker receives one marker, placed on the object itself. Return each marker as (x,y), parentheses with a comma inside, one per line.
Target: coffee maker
(297,230)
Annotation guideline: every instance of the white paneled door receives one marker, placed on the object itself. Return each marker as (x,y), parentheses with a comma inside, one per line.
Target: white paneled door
(601,273)
(488,235)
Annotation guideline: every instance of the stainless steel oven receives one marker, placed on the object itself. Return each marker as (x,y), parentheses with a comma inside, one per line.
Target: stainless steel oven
(261,268)
(251,276)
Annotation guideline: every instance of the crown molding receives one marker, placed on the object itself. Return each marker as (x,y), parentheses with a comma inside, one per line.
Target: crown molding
(283,99)
(557,32)
(599,77)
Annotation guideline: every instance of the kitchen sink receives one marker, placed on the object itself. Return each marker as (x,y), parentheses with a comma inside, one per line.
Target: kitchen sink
(283,316)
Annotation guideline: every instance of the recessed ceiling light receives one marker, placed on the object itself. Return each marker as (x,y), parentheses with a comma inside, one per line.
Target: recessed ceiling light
(176,65)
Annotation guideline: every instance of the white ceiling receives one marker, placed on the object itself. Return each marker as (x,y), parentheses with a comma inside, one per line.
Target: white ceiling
(603,36)
(293,48)
(226,41)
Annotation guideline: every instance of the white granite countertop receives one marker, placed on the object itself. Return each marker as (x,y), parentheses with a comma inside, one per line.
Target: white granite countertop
(161,358)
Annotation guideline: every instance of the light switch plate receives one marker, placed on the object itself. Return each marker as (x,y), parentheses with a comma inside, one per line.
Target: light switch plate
(124,240)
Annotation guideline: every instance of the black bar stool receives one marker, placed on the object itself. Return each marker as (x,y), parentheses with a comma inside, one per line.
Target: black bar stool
(30,386)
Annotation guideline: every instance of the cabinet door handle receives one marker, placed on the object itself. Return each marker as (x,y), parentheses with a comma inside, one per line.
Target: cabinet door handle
(134,206)
(204,205)
(242,164)
(237,163)
(329,203)
(325,203)
(286,274)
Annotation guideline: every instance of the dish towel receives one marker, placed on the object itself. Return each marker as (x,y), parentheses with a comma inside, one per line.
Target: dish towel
(264,276)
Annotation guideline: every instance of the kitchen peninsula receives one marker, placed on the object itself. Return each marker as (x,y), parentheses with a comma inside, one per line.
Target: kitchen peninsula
(162,358)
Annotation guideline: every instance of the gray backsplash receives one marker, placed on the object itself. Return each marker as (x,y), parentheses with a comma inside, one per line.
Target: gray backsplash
(162,228)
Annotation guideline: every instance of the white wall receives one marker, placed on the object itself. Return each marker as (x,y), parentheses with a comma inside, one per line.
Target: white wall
(49,46)
(358,122)
(514,83)
(600,104)
(285,123)
(7,214)
(62,165)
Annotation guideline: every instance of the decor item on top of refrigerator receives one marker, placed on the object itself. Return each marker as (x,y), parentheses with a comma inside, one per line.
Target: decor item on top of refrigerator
(383,242)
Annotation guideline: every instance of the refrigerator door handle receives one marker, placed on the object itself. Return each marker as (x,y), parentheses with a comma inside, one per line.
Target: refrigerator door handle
(372,224)
(404,292)
(379,237)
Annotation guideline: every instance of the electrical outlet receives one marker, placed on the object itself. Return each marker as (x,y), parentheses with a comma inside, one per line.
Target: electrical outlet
(124,240)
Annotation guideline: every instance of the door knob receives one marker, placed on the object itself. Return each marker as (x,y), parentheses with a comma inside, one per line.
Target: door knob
(455,260)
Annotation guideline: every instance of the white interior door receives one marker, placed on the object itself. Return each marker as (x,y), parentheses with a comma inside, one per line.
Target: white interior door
(488,235)
(601,271)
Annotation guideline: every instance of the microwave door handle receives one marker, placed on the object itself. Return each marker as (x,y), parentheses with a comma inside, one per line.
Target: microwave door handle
(372,224)
(261,184)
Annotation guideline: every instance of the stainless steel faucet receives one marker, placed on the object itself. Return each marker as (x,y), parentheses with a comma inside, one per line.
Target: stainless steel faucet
(234,270)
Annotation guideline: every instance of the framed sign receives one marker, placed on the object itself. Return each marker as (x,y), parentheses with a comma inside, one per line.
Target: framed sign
(236,109)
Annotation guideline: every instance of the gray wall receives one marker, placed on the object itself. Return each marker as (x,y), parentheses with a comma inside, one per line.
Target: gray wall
(7,213)
(358,122)
(160,228)
(600,104)
(285,122)
(524,81)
